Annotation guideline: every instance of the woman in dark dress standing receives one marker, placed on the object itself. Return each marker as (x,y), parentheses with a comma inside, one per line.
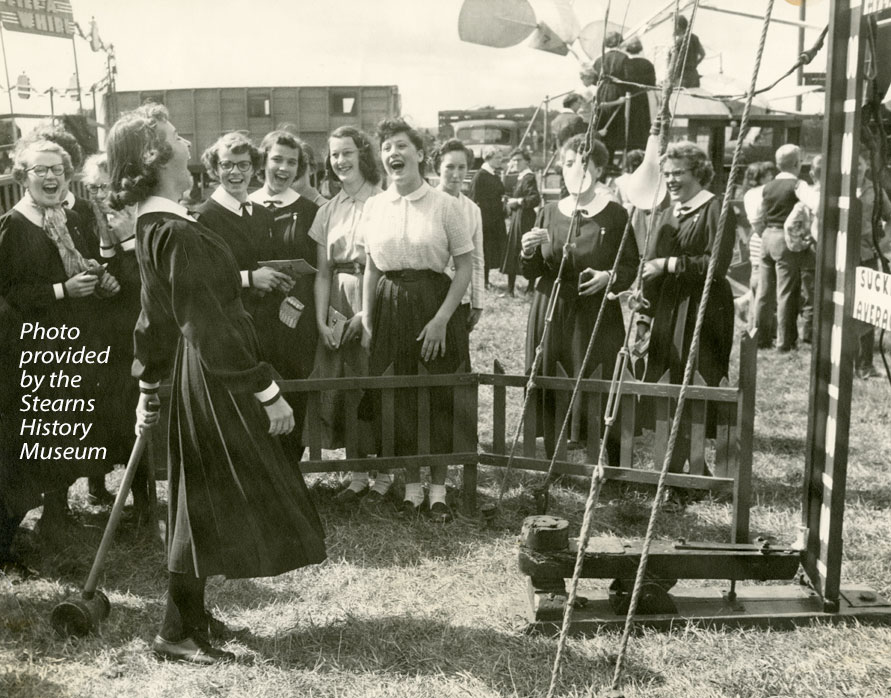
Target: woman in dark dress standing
(640,71)
(597,224)
(410,231)
(46,278)
(487,191)
(288,333)
(674,278)
(237,507)
(521,204)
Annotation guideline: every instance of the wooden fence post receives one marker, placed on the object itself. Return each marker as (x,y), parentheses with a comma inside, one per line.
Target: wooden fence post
(745,432)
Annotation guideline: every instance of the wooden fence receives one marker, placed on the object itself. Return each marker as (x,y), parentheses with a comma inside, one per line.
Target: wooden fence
(732,409)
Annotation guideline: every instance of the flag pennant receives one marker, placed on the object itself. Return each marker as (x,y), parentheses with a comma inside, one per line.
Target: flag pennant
(546,39)
(95,41)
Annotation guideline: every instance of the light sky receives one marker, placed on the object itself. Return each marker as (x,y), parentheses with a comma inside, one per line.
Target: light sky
(414,44)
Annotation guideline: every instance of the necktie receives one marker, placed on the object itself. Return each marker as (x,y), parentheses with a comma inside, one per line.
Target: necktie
(245,210)
(272,203)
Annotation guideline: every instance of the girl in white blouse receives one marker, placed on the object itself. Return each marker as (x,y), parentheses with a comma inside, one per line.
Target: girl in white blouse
(410,232)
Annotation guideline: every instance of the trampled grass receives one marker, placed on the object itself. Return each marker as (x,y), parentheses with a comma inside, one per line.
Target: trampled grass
(417,610)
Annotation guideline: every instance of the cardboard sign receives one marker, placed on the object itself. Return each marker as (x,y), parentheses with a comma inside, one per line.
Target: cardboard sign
(872,297)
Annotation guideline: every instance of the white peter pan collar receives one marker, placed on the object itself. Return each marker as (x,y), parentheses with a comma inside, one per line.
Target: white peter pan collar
(229,202)
(282,199)
(692,204)
(160,204)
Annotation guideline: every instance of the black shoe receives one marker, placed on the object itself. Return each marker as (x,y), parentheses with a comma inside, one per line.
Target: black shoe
(349,496)
(217,629)
(13,568)
(409,509)
(100,498)
(190,650)
(373,500)
(440,512)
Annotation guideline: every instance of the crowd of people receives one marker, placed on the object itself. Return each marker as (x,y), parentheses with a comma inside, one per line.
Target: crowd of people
(393,278)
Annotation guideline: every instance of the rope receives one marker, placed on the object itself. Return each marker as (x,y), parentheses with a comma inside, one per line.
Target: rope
(691,359)
(665,119)
(549,315)
(599,476)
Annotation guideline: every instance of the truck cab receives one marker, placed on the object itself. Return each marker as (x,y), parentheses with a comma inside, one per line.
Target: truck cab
(476,134)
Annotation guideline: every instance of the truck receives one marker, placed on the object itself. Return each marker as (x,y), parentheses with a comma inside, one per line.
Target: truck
(503,128)
(202,115)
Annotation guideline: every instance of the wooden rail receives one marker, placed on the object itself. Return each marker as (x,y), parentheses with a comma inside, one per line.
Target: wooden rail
(732,410)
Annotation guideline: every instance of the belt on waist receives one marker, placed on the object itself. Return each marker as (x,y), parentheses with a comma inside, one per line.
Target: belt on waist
(412,274)
(349,268)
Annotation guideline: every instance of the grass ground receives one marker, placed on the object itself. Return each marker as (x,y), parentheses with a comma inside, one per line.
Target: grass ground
(419,610)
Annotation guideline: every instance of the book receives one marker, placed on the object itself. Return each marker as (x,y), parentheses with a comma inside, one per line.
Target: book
(294,268)
(337,321)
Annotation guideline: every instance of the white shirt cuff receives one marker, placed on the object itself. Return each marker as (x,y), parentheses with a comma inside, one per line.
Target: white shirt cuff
(144,385)
(245,279)
(267,394)
(59,291)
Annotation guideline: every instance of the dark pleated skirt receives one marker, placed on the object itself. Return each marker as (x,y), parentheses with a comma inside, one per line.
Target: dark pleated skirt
(405,302)
(674,319)
(521,222)
(237,505)
(572,324)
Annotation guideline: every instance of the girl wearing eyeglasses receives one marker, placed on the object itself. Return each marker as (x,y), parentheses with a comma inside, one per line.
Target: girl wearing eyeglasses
(247,227)
(48,277)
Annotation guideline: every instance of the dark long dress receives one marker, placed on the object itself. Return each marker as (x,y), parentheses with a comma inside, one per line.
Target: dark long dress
(487,191)
(674,301)
(522,220)
(120,392)
(612,118)
(250,240)
(595,245)
(30,265)
(641,71)
(237,507)
(291,351)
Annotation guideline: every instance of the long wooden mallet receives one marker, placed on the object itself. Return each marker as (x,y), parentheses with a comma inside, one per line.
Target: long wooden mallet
(82,615)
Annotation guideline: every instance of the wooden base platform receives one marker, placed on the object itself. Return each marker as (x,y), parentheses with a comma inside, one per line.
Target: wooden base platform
(783,606)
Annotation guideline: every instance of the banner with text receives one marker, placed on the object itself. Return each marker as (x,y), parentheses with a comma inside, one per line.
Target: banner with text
(44,17)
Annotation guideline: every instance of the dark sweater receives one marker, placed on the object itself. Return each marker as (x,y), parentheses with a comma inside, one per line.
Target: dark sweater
(779,200)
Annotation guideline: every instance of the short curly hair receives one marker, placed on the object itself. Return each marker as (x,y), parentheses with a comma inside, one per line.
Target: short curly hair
(136,151)
(695,157)
(25,148)
(282,136)
(238,143)
(367,159)
(454,145)
(598,154)
(387,128)
(54,132)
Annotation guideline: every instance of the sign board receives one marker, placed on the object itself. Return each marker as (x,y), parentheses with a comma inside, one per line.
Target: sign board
(882,8)
(872,297)
(815,79)
(45,17)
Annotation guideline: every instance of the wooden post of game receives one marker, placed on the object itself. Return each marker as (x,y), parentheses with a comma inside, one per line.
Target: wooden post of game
(834,339)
